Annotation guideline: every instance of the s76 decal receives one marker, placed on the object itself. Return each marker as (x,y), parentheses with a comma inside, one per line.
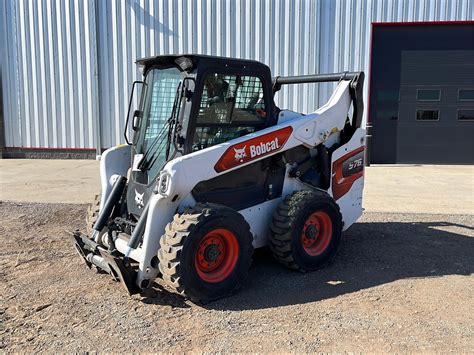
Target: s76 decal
(346,170)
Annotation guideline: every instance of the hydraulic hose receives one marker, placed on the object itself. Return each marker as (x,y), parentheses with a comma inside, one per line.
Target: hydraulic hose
(139,229)
(112,200)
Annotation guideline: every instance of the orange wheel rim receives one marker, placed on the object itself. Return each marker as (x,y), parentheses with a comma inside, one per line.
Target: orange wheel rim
(217,255)
(317,233)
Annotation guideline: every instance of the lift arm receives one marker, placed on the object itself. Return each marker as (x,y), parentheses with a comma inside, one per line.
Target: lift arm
(355,89)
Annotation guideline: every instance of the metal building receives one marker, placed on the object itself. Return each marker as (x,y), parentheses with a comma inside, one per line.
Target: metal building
(67,65)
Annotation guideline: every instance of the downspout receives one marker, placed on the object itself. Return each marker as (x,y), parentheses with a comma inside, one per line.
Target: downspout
(97,107)
(2,126)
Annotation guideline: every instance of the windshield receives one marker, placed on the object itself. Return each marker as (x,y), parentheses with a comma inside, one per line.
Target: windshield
(152,137)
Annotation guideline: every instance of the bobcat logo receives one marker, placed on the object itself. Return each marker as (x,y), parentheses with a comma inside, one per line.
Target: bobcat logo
(139,199)
(240,154)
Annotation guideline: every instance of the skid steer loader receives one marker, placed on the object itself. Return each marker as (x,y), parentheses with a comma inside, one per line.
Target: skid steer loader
(216,170)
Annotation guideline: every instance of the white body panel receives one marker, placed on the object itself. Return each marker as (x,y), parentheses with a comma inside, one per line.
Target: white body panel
(259,217)
(114,161)
(351,202)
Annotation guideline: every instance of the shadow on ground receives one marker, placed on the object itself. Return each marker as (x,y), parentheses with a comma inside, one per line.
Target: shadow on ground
(372,254)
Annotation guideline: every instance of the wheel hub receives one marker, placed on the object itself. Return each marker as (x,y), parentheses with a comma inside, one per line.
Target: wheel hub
(211,253)
(217,255)
(311,232)
(317,232)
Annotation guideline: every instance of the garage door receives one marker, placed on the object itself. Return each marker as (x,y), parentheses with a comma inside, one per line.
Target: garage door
(435,120)
(422,94)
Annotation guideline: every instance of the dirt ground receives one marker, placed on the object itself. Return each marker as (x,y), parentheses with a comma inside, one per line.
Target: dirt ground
(400,283)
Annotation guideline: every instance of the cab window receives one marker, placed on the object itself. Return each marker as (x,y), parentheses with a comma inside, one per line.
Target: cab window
(231,106)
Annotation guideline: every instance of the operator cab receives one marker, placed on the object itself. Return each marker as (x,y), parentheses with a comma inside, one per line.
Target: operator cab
(189,103)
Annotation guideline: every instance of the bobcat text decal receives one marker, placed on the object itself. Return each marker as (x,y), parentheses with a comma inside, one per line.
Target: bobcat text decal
(253,149)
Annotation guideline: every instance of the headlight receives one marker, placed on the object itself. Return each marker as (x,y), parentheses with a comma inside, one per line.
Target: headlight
(163,184)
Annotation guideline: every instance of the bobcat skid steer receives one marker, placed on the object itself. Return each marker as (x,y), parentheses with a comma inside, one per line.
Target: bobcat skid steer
(216,170)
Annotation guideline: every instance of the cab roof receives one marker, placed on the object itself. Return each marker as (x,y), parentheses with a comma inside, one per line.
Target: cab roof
(189,62)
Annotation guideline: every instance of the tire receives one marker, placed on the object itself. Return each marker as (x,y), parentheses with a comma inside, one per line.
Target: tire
(206,252)
(306,230)
(92,214)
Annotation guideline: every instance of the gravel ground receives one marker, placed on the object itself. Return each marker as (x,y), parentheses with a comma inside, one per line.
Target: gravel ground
(401,282)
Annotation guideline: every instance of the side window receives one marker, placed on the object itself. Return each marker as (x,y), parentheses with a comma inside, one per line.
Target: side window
(466,94)
(231,106)
(427,115)
(428,95)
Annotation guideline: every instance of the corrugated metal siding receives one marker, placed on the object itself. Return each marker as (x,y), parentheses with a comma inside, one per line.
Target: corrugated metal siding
(49,76)
(67,66)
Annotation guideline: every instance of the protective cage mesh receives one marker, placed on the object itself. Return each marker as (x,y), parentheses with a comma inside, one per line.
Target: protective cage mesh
(228,98)
(228,104)
(208,136)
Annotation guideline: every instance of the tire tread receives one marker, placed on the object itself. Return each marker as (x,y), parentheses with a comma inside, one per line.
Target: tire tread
(173,240)
(282,225)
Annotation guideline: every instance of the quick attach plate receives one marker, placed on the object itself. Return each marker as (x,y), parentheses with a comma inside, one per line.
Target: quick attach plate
(79,245)
(121,271)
